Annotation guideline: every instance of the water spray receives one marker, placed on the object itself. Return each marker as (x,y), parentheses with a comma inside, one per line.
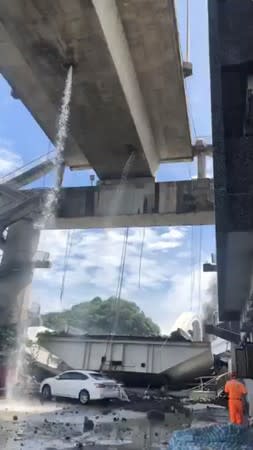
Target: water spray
(52,197)
(48,213)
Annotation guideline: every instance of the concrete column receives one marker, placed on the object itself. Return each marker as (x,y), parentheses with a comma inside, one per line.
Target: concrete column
(201,158)
(16,272)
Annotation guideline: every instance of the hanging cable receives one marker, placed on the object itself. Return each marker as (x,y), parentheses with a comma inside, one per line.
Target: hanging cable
(192,279)
(141,254)
(190,110)
(65,263)
(116,302)
(122,265)
(120,282)
(192,271)
(187,31)
(200,271)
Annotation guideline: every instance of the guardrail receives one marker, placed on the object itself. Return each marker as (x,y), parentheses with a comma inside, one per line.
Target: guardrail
(26,167)
(215,383)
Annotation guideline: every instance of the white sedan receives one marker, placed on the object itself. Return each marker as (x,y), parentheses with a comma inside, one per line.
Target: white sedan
(80,384)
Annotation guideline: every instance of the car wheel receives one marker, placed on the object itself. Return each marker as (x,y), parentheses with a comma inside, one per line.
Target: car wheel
(84,397)
(46,392)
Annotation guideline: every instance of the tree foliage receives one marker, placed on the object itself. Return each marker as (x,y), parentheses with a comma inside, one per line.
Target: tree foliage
(98,317)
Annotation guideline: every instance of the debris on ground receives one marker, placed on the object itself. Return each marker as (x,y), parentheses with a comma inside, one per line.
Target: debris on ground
(156,415)
(58,426)
(88,425)
(144,401)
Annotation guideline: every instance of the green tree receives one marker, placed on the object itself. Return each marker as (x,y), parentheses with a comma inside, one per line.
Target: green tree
(99,317)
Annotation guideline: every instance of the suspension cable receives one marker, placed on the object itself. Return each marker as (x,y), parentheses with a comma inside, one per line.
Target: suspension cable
(141,254)
(192,280)
(187,31)
(200,272)
(116,302)
(65,263)
(120,283)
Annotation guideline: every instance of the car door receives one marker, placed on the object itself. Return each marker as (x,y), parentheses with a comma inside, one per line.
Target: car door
(70,384)
(78,383)
(61,384)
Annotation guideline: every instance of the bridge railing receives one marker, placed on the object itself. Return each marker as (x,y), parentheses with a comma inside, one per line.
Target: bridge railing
(28,166)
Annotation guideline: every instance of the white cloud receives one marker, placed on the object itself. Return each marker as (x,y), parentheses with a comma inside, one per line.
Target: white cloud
(96,255)
(93,268)
(9,160)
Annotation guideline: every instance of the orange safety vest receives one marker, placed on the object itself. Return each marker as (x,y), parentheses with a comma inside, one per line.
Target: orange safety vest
(235,390)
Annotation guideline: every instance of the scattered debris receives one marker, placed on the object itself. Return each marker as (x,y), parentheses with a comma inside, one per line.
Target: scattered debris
(88,425)
(156,415)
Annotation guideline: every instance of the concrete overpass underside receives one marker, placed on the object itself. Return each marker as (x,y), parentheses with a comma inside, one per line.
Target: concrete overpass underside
(128,90)
(141,203)
(231,50)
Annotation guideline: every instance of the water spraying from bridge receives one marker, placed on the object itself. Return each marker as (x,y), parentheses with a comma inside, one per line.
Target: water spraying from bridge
(48,213)
(52,197)
(118,196)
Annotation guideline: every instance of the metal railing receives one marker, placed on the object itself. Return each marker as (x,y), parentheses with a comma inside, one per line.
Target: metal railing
(215,383)
(49,156)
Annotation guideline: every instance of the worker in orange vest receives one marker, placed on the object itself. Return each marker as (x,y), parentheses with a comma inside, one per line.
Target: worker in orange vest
(236,393)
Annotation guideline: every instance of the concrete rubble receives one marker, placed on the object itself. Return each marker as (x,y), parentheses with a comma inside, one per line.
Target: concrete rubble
(54,426)
(146,422)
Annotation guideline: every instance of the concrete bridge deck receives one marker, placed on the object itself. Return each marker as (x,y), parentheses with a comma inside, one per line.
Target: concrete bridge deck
(128,90)
(139,203)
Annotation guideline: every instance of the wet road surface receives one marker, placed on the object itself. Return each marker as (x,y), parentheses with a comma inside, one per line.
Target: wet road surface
(29,425)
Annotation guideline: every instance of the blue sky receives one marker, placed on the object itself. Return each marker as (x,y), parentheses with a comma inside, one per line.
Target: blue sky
(171,279)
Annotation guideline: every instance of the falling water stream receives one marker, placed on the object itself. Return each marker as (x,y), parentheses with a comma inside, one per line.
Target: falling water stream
(48,213)
(52,197)
(117,197)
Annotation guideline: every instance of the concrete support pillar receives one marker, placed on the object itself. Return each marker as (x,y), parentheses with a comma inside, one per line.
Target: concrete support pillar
(201,159)
(16,272)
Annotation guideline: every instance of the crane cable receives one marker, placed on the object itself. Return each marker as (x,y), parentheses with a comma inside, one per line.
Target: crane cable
(65,263)
(192,279)
(200,272)
(141,254)
(192,269)
(116,303)
(187,54)
(120,282)
(187,31)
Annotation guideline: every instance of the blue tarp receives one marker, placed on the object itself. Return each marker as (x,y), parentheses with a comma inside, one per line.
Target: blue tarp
(215,437)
